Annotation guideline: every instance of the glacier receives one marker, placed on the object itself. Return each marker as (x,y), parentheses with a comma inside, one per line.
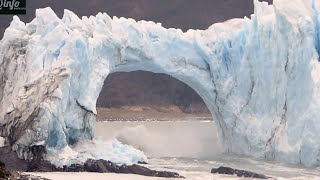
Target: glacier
(259,76)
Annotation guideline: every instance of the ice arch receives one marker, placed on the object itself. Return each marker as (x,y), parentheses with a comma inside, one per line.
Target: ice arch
(259,77)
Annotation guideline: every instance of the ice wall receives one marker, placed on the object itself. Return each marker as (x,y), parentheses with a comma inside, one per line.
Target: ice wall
(259,76)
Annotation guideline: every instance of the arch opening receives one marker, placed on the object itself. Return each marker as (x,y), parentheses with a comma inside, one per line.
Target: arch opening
(157,114)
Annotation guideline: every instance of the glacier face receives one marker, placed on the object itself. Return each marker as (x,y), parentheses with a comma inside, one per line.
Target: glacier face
(260,77)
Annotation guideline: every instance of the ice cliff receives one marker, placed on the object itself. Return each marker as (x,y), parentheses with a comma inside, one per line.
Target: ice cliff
(259,76)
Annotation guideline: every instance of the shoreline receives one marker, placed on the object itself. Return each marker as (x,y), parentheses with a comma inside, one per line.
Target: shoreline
(13,167)
(138,113)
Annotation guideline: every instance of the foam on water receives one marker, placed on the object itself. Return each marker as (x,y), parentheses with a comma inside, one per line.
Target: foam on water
(151,137)
(165,138)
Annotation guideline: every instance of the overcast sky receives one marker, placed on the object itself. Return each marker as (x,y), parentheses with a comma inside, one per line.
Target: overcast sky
(183,14)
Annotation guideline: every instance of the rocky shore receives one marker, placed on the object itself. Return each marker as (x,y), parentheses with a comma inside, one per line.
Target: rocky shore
(103,166)
(11,166)
(6,174)
(239,173)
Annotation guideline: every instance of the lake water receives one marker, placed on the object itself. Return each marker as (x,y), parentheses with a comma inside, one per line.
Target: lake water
(191,148)
(187,147)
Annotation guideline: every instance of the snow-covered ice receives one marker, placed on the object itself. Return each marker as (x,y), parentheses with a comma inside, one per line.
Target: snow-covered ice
(259,76)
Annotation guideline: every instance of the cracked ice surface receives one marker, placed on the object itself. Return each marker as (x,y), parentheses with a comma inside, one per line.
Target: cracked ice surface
(259,76)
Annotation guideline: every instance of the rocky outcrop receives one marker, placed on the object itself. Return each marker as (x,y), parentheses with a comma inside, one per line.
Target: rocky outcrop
(39,164)
(142,162)
(239,173)
(4,173)
(103,166)
(11,160)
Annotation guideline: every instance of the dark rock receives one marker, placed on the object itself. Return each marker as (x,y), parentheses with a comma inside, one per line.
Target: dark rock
(74,168)
(2,164)
(13,163)
(39,164)
(168,174)
(103,166)
(141,170)
(223,170)
(10,158)
(91,166)
(38,152)
(112,167)
(142,162)
(4,173)
(124,169)
(96,166)
(21,176)
(239,173)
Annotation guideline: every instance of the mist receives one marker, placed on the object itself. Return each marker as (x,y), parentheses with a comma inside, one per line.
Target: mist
(165,139)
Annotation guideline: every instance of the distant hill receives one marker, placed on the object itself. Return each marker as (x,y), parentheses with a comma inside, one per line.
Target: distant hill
(144,88)
(150,90)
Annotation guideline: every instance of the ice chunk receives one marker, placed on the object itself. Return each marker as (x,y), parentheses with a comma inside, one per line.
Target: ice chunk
(97,149)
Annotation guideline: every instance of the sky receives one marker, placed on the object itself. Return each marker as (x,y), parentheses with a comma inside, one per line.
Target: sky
(183,14)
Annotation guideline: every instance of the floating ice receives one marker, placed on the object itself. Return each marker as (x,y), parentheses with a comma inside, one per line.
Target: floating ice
(97,149)
(260,77)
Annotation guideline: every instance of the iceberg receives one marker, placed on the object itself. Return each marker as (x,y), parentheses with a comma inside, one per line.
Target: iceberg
(259,76)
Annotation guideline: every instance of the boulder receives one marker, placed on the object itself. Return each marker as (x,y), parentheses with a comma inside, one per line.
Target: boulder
(239,173)
(103,166)
(4,173)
